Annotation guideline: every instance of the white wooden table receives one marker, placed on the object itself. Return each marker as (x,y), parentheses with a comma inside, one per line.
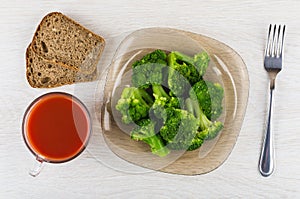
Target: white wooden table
(240,24)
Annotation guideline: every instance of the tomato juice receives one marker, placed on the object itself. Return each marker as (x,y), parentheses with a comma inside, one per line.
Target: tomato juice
(56,127)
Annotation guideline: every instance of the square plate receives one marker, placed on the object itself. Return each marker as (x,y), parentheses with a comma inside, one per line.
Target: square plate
(226,67)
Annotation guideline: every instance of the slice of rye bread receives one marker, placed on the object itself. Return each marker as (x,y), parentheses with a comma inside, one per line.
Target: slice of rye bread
(62,40)
(42,73)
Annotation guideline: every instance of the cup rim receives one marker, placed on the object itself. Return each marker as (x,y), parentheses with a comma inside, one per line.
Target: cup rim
(40,157)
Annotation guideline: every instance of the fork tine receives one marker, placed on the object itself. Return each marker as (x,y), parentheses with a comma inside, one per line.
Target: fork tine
(267,50)
(282,40)
(278,44)
(273,42)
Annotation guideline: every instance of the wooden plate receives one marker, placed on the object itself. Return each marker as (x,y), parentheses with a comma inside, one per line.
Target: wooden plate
(226,67)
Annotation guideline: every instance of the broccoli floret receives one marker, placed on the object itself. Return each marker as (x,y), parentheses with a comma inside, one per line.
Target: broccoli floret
(179,128)
(213,130)
(197,141)
(210,96)
(149,70)
(148,74)
(157,56)
(145,131)
(164,101)
(185,71)
(134,104)
(207,129)
(201,61)
(177,83)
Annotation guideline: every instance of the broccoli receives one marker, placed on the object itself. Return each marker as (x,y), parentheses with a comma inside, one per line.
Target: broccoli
(197,141)
(145,131)
(163,101)
(157,56)
(173,107)
(134,104)
(148,73)
(185,71)
(201,61)
(207,129)
(210,96)
(179,128)
(149,70)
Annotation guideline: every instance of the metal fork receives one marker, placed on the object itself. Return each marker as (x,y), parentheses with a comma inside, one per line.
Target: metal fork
(273,63)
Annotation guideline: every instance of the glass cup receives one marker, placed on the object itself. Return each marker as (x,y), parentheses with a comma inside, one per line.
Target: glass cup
(56,128)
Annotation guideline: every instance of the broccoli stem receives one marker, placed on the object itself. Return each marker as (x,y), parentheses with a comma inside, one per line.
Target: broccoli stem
(209,129)
(184,58)
(160,91)
(194,107)
(157,146)
(189,105)
(145,131)
(145,97)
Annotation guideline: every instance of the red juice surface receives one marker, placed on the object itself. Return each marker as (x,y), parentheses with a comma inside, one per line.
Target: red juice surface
(57,127)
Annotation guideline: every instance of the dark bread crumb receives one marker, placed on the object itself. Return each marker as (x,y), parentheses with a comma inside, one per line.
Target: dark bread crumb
(42,73)
(62,40)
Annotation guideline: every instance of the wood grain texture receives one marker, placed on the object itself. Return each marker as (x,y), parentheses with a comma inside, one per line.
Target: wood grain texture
(95,174)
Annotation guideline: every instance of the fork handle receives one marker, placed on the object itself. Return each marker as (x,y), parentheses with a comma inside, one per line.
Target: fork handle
(266,162)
